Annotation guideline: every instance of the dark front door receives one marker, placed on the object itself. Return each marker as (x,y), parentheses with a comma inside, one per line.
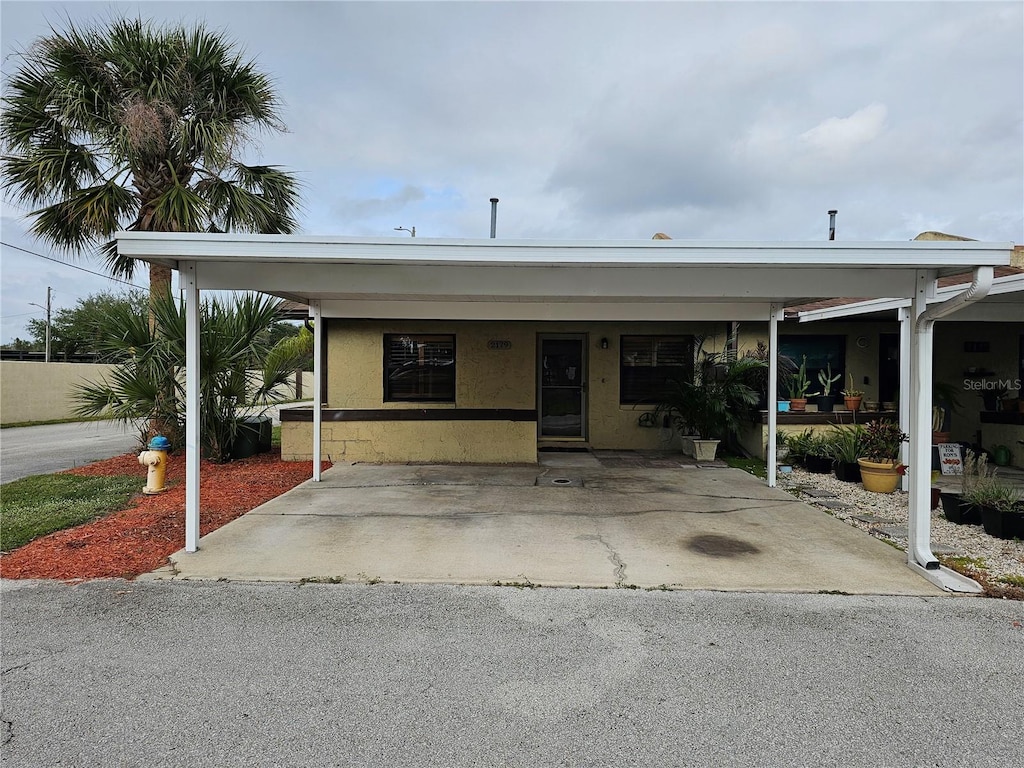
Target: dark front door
(562,387)
(888,366)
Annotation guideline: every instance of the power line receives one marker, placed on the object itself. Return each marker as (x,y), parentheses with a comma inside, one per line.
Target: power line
(73,266)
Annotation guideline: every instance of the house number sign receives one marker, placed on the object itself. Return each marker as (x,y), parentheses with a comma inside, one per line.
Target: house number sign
(499,344)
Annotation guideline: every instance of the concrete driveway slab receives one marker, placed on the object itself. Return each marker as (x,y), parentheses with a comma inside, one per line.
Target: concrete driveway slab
(690,528)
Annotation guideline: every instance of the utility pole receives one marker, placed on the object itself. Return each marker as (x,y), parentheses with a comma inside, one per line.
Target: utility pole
(49,290)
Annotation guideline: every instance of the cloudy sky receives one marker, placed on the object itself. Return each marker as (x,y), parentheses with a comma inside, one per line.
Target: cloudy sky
(609,120)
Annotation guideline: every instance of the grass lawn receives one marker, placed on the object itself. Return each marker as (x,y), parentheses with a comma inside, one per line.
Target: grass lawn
(756,467)
(34,506)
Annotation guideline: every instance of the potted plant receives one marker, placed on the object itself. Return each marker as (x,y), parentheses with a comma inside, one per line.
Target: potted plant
(880,466)
(798,386)
(960,507)
(1001,507)
(799,443)
(846,449)
(938,419)
(826,400)
(852,396)
(781,446)
(819,455)
(715,402)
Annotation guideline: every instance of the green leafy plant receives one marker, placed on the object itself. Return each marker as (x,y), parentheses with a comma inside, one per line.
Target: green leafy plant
(719,398)
(820,446)
(239,369)
(881,441)
(799,444)
(846,443)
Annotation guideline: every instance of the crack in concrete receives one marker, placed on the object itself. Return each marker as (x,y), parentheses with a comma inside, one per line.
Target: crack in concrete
(7,732)
(619,566)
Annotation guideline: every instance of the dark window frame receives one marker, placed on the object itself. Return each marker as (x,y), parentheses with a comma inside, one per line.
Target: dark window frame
(439,379)
(644,382)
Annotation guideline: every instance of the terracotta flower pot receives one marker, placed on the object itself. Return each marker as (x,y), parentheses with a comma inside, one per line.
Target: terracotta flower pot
(798,404)
(879,477)
(852,403)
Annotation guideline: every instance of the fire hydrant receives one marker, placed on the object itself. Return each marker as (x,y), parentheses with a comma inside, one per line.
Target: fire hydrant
(156,459)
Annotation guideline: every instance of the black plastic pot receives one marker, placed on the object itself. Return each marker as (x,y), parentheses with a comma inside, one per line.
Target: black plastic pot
(253,436)
(1002,525)
(822,465)
(847,472)
(957,510)
(825,404)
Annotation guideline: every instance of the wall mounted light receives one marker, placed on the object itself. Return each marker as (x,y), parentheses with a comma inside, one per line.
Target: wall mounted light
(604,343)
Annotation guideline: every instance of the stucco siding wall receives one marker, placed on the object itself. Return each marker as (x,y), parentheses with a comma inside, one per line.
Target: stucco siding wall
(31,391)
(485,378)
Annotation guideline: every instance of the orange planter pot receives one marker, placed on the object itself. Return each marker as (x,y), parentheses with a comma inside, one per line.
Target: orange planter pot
(878,477)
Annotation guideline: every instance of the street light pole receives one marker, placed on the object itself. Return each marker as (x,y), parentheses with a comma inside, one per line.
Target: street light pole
(47,308)
(403,229)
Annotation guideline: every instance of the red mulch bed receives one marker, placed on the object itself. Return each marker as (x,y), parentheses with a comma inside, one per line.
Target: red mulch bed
(139,539)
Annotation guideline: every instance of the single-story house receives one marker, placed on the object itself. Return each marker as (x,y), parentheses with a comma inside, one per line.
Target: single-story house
(441,350)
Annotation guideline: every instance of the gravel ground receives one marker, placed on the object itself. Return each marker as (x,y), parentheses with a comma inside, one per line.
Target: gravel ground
(1000,558)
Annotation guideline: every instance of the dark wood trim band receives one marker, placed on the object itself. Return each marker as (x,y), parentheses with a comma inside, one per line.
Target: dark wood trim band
(412,414)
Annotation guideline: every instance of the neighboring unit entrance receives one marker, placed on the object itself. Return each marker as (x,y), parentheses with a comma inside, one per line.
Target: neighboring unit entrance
(562,386)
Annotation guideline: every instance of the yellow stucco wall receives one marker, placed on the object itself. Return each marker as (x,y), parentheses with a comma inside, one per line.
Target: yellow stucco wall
(32,391)
(485,378)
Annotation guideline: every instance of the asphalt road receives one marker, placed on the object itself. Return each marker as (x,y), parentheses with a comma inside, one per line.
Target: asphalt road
(232,674)
(52,447)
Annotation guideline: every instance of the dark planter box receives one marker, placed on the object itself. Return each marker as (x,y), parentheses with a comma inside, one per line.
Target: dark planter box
(253,436)
(958,511)
(820,464)
(847,472)
(1002,525)
(825,404)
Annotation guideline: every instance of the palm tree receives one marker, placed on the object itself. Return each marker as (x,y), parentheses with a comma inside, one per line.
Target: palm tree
(130,126)
(240,368)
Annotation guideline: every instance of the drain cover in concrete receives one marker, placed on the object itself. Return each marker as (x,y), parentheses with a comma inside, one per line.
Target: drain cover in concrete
(560,482)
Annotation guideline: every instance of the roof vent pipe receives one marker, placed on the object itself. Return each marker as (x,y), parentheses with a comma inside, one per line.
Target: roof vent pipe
(832,225)
(494,216)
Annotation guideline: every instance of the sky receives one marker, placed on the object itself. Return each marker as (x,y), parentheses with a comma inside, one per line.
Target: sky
(605,120)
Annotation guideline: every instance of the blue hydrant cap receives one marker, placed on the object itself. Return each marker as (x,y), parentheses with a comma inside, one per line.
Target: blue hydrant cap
(159,443)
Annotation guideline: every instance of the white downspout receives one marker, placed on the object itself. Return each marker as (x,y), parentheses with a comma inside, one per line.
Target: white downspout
(776,314)
(905,400)
(318,331)
(919,552)
(187,273)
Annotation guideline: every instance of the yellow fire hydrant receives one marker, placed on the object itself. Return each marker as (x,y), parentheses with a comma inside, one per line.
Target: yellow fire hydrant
(156,459)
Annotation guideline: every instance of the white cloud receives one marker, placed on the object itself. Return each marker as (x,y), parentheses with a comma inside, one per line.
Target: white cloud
(841,135)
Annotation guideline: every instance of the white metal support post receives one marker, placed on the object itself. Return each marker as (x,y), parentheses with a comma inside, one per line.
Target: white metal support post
(318,335)
(776,314)
(920,391)
(903,393)
(187,272)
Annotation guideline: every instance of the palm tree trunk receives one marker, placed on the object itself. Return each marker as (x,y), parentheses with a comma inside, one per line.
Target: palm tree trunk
(164,421)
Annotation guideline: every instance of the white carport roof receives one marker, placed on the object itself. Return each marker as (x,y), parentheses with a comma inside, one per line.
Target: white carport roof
(555,280)
(579,280)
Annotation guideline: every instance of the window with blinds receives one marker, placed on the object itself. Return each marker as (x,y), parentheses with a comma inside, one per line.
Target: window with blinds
(419,368)
(648,363)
